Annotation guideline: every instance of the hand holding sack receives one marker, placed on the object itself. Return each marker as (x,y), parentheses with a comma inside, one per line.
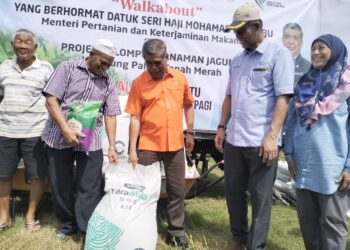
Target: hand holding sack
(83,117)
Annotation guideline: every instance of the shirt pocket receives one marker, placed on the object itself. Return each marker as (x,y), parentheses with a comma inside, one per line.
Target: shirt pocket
(174,92)
(262,74)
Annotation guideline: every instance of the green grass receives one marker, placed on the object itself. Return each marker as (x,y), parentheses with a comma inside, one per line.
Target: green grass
(207,225)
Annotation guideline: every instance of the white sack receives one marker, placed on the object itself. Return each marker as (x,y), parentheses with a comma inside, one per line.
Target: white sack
(126,216)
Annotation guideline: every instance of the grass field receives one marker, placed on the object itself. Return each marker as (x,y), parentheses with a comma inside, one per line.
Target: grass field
(207,225)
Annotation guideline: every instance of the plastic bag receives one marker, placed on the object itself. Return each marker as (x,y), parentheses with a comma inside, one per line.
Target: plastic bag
(125,218)
(83,117)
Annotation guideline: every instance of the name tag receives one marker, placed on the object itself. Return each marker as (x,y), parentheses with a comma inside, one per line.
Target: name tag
(262,69)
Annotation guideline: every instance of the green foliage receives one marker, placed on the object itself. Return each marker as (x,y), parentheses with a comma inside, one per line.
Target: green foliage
(116,76)
(52,54)
(6,51)
(45,51)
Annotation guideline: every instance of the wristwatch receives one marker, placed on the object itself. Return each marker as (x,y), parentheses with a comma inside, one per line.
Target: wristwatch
(221,126)
(190,133)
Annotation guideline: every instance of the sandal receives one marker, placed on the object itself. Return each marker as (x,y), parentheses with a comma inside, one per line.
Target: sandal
(34,226)
(5,226)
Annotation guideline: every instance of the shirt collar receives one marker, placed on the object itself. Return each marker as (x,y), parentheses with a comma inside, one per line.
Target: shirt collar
(148,77)
(36,64)
(82,65)
(260,49)
(297,57)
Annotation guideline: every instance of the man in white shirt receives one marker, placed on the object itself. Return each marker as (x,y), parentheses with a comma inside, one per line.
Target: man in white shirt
(22,119)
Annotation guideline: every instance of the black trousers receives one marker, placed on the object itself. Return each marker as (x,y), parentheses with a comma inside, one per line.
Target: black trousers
(322,219)
(245,171)
(174,166)
(75,196)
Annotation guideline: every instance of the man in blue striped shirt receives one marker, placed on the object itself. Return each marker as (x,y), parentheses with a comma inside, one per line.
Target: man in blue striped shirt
(82,81)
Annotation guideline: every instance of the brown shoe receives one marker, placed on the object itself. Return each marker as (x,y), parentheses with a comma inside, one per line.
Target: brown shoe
(235,245)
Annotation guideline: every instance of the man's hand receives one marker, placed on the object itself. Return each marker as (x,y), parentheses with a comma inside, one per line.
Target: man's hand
(112,156)
(344,180)
(269,149)
(292,169)
(189,143)
(219,140)
(133,158)
(70,136)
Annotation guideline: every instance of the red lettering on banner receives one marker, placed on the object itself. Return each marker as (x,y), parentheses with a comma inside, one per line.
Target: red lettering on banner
(123,86)
(148,6)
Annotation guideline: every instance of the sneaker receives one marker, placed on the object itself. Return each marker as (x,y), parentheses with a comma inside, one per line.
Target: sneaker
(60,235)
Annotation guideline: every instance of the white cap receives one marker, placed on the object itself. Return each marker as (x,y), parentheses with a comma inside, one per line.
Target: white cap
(106,47)
(245,13)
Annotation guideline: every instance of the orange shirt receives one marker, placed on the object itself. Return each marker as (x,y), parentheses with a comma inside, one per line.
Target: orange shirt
(159,104)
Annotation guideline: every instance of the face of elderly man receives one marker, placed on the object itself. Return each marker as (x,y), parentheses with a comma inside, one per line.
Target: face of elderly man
(99,62)
(292,40)
(156,64)
(24,46)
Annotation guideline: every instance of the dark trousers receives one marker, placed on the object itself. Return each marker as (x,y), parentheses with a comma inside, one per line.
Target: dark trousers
(174,165)
(75,199)
(245,171)
(322,219)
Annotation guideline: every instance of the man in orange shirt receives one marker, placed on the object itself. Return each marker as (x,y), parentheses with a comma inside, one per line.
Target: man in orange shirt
(156,102)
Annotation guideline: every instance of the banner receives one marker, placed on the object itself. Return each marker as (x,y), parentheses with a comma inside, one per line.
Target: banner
(192,30)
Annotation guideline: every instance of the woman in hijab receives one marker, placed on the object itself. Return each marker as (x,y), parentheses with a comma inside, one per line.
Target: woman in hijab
(317,145)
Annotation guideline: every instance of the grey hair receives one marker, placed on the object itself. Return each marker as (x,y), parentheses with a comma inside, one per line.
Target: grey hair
(153,46)
(293,26)
(25,31)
